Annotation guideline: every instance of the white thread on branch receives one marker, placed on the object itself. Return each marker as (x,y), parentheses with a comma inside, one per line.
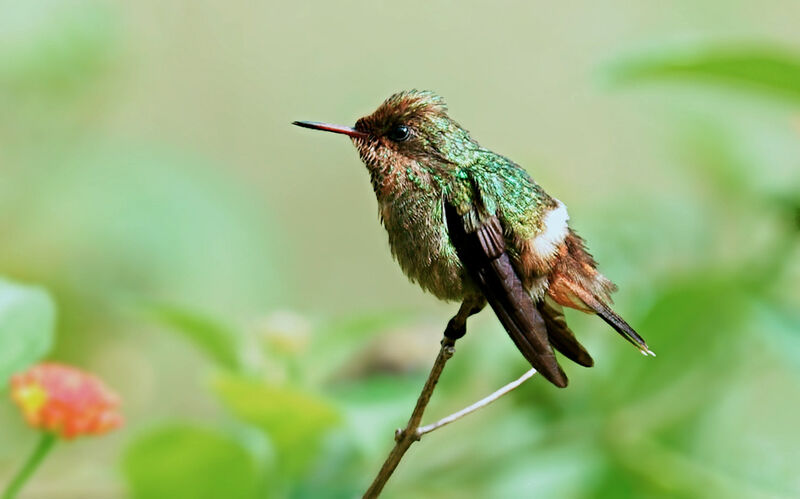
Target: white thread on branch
(477,405)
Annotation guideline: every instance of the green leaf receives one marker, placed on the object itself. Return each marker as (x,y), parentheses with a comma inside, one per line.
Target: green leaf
(338,340)
(765,70)
(49,49)
(214,339)
(172,227)
(354,330)
(27,323)
(295,420)
(616,480)
(780,327)
(184,461)
(694,326)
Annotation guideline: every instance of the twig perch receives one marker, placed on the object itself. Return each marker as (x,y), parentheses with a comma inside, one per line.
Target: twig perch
(404,438)
(477,405)
(414,432)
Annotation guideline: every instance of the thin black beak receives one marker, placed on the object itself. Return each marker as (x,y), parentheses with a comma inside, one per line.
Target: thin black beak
(327,127)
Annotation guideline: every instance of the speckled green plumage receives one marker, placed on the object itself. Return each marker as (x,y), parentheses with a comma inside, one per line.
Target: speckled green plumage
(444,162)
(470,225)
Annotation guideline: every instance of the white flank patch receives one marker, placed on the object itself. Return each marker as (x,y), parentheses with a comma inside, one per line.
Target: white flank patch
(555,230)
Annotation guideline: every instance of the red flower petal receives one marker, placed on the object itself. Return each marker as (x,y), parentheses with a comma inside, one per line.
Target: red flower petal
(65,400)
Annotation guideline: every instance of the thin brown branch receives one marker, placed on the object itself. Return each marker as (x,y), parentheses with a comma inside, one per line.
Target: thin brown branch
(405,437)
(413,432)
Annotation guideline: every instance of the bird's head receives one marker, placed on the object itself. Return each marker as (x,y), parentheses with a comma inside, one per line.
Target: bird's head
(410,127)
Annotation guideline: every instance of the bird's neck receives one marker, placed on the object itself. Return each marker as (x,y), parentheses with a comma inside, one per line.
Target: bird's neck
(404,177)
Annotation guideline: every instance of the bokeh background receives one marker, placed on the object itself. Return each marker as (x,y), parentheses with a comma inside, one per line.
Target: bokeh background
(226,272)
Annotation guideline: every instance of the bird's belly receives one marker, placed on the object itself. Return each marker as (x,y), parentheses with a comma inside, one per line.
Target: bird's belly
(421,245)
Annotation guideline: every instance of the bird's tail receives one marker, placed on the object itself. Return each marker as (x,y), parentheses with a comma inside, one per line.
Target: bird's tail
(576,283)
(620,326)
(560,335)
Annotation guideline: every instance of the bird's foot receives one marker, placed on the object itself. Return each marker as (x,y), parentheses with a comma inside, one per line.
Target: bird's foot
(455,329)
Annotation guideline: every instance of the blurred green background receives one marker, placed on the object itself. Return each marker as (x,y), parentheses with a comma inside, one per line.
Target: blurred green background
(226,273)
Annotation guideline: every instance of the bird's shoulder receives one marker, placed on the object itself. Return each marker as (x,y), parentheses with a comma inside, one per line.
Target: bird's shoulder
(496,185)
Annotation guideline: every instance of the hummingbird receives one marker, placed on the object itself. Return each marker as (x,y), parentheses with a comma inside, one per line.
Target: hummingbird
(469,225)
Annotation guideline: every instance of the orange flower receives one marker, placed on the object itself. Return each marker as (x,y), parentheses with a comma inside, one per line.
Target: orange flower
(65,400)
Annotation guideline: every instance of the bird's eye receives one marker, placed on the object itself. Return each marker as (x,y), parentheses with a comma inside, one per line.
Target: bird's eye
(398,133)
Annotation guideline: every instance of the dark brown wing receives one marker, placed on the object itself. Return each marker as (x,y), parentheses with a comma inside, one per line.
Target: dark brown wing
(481,248)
